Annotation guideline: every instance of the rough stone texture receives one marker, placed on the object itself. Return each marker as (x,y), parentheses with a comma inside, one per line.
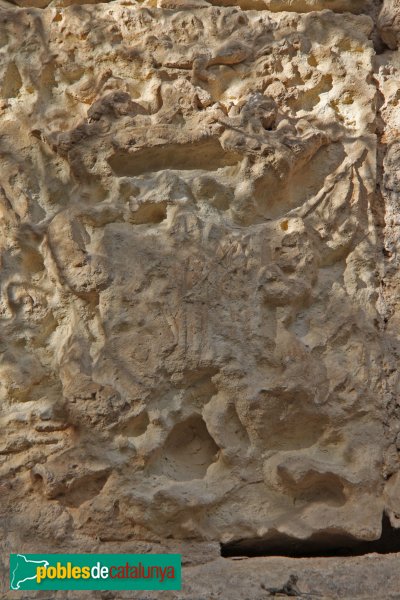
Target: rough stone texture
(301,6)
(387,75)
(353,578)
(389,23)
(199,284)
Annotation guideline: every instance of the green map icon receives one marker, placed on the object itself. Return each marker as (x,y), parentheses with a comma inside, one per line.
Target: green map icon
(25,570)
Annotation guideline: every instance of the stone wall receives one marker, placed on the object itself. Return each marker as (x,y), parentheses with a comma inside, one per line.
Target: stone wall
(199,293)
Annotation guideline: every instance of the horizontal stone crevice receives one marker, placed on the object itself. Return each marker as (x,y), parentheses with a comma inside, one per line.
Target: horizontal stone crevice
(322,544)
(204,155)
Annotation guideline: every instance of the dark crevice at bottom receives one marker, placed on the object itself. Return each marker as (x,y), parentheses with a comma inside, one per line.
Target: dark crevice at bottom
(318,545)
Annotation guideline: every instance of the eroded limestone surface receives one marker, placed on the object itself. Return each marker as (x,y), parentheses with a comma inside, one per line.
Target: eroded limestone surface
(301,6)
(194,329)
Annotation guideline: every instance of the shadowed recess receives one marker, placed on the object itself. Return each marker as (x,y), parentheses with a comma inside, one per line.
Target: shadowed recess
(189,451)
(206,155)
(318,545)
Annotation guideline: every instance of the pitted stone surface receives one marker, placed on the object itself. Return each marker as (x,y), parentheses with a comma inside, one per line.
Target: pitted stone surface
(196,343)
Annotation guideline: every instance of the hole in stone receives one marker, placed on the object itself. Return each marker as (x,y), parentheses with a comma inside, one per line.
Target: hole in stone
(188,452)
(37,481)
(323,544)
(312,486)
(312,61)
(149,212)
(206,155)
(268,122)
(136,426)
(81,492)
(12,81)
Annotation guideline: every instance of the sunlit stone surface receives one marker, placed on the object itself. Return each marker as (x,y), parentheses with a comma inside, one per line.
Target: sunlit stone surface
(199,284)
